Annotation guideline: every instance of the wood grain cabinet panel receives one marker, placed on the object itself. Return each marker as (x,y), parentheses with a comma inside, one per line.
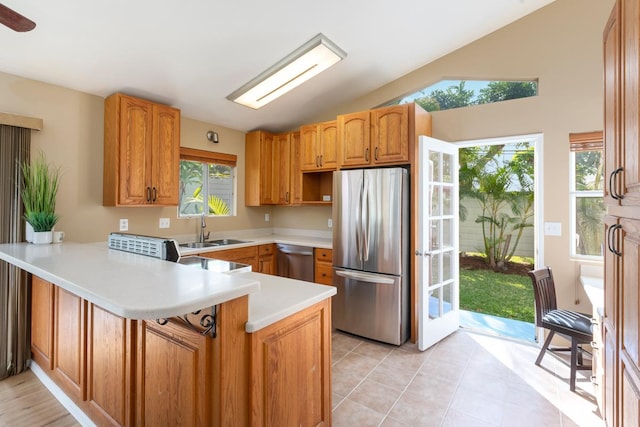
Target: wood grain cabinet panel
(69,365)
(174,376)
(141,152)
(267,259)
(319,146)
(291,370)
(110,370)
(42,309)
(323,266)
(390,134)
(354,139)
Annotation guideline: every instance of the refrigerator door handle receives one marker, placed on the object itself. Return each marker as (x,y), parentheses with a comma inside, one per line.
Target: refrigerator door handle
(365,221)
(364,277)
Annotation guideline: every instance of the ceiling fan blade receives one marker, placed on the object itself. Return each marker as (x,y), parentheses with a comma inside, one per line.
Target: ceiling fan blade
(14,20)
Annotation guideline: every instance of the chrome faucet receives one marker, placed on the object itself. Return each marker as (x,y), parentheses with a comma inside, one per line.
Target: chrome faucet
(203,225)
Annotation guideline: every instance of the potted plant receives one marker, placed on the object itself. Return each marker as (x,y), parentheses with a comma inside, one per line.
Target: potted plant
(39,189)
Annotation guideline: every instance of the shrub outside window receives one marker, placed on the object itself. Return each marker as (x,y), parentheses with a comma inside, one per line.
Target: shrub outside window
(207,184)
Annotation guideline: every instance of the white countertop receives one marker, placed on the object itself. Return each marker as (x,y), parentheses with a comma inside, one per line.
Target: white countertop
(316,242)
(140,287)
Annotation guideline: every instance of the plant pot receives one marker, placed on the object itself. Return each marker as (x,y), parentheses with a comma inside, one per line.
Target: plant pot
(42,237)
(28,232)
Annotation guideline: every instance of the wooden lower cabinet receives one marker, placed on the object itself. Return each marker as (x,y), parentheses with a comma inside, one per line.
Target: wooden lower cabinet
(69,343)
(291,370)
(110,370)
(247,255)
(174,376)
(323,268)
(42,299)
(141,373)
(267,259)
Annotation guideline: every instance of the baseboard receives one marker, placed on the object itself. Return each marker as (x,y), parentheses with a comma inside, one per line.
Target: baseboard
(60,395)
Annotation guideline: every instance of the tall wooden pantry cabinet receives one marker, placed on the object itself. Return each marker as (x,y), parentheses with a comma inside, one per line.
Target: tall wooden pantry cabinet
(620,327)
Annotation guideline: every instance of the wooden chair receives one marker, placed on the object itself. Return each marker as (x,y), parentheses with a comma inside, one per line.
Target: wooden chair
(572,325)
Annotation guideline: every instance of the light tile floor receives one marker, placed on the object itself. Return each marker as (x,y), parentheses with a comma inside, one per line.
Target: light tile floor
(468,379)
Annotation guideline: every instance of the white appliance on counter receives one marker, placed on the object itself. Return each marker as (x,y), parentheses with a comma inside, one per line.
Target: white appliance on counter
(371,253)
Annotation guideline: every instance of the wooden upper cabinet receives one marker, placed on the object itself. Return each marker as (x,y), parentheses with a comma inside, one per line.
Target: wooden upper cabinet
(629,66)
(390,134)
(354,139)
(612,148)
(282,170)
(319,146)
(374,137)
(141,152)
(295,183)
(272,169)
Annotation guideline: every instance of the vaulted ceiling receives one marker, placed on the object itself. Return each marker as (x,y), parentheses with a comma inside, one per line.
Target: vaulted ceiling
(192,54)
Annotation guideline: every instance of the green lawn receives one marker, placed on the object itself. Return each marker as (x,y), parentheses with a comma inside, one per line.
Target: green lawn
(502,295)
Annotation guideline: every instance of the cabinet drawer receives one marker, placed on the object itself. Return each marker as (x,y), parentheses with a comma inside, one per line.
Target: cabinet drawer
(265,249)
(324,255)
(324,273)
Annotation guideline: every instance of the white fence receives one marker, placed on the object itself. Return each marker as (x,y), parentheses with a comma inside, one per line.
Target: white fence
(471,232)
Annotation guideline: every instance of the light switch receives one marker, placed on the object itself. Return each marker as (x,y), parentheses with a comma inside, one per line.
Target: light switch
(164,222)
(266,217)
(552,229)
(124,224)
(330,223)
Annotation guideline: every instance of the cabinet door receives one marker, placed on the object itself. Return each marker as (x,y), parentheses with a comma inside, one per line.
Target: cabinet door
(165,156)
(309,146)
(136,121)
(292,387)
(69,366)
(354,139)
(110,374)
(266,259)
(390,133)
(329,145)
(295,186)
(282,168)
(42,308)
(629,297)
(174,376)
(247,255)
(630,85)
(268,182)
(613,156)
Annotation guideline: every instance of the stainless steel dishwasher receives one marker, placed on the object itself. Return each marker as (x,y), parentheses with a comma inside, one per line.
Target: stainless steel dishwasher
(295,262)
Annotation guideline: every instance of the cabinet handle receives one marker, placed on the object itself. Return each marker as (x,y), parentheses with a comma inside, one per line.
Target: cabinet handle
(155,194)
(320,160)
(610,242)
(594,380)
(286,197)
(594,345)
(148,194)
(366,154)
(613,184)
(317,161)
(376,154)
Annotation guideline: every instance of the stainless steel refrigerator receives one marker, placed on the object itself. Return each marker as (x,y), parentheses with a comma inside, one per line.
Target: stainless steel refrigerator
(371,253)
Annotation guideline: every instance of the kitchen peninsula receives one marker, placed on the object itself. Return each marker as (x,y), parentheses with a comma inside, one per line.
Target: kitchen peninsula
(109,328)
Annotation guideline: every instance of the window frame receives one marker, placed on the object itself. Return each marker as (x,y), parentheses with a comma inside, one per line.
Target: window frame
(580,142)
(207,158)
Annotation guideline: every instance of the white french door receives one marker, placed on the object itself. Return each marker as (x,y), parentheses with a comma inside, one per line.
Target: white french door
(437,243)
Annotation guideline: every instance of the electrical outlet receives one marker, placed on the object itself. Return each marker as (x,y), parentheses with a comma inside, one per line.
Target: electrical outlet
(164,223)
(552,229)
(124,224)
(266,217)
(330,223)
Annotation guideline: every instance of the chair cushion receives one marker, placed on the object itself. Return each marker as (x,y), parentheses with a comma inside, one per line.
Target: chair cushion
(568,322)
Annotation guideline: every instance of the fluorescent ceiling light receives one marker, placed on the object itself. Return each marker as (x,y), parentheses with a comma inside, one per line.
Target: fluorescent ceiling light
(308,60)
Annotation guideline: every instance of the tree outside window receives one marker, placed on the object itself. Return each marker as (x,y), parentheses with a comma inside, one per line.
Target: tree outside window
(587,203)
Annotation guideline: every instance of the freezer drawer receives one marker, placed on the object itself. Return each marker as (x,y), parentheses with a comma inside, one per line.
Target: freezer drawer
(373,306)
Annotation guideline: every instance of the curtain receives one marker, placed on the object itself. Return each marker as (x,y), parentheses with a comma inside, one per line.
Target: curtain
(14,291)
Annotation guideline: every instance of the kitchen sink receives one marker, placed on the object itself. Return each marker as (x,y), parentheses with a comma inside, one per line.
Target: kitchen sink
(194,245)
(217,265)
(228,241)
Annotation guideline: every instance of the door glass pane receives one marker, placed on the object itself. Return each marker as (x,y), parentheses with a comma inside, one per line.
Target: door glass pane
(435,269)
(435,165)
(447,161)
(436,204)
(447,206)
(435,234)
(447,266)
(447,298)
(434,303)
(447,233)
